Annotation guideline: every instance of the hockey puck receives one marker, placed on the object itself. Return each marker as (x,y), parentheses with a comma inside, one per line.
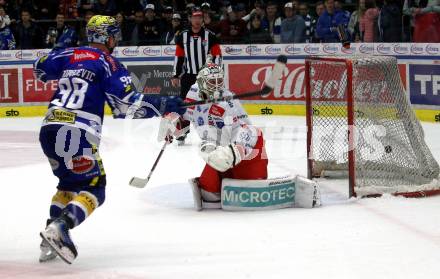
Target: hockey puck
(388,149)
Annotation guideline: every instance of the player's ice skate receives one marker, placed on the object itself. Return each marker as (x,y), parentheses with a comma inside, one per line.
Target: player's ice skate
(57,236)
(46,252)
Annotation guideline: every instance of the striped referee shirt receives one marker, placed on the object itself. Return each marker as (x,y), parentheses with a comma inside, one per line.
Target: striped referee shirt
(192,50)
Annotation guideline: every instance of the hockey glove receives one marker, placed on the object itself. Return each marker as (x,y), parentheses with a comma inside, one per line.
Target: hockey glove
(170,126)
(221,158)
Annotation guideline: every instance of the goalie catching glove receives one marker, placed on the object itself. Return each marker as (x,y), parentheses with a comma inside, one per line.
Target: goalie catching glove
(171,126)
(219,157)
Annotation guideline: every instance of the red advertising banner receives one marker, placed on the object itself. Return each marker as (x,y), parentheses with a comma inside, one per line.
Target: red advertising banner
(8,85)
(250,77)
(35,90)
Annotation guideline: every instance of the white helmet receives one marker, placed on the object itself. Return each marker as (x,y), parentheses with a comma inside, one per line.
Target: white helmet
(210,81)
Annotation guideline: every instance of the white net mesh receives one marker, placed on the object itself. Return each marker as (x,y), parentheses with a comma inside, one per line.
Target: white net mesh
(390,154)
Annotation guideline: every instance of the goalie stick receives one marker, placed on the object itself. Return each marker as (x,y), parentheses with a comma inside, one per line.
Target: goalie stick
(142,182)
(277,72)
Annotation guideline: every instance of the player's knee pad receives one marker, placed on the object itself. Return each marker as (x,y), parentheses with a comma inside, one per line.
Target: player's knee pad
(98,192)
(83,205)
(60,201)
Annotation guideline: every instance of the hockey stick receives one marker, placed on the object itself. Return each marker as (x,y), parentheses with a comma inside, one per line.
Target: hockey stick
(142,182)
(277,72)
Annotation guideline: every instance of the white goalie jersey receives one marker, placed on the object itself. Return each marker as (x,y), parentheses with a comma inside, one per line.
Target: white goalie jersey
(222,123)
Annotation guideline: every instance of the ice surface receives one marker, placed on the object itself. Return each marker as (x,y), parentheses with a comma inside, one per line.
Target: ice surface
(154,232)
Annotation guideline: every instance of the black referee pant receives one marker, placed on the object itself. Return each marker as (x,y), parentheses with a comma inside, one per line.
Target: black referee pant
(186,81)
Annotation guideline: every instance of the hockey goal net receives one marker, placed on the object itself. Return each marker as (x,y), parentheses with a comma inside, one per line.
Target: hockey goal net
(360,124)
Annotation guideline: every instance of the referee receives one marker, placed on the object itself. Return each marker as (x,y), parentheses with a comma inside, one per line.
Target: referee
(192,48)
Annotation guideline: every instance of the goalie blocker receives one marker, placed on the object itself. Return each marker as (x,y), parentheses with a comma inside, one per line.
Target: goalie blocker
(241,195)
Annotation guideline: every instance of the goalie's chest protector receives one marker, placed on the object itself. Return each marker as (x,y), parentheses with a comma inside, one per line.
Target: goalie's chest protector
(215,122)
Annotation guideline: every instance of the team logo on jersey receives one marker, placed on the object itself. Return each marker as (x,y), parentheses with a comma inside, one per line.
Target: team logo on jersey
(82,164)
(83,55)
(61,116)
(200,121)
(217,110)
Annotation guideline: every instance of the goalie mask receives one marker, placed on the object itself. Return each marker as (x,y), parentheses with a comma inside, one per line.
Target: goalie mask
(210,81)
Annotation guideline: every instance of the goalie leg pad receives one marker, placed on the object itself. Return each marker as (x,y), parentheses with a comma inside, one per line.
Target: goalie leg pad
(276,193)
(261,194)
(197,197)
(202,198)
(307,193)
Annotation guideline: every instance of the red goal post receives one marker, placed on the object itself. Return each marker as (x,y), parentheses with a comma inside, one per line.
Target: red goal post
(361,125)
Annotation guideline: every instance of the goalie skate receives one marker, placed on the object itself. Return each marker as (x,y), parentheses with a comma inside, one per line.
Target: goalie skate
(58,238)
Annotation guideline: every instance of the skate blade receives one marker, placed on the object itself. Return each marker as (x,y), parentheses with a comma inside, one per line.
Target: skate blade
(44,256)
(138,182)
(64,254)
(47,258)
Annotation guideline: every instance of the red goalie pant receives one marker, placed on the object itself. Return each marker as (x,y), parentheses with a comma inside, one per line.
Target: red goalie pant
(253,168)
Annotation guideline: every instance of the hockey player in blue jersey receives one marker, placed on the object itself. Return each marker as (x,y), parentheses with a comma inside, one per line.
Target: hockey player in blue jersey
(70,134)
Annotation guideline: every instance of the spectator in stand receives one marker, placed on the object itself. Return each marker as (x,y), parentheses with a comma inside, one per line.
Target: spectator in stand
(165,24)
(390,22)
(82,31)
(47,9)
(61,36)
(233,29)
(7,40)
(123,37)
(105,7)
(169,37)
(272,21)
(339,7)
(137,29)
(240,10)
(368,23)
(319,8)
(27,33)
(6,18)
(259,9)
(129,7)
(209,23)
(326,28)
(151,30)
(68,8)
(11,9)
(83,6)
(295,4)
(25,5)
(205,7)
(309,21)
(258,35)
(425,19)
(353,25)
(293,27)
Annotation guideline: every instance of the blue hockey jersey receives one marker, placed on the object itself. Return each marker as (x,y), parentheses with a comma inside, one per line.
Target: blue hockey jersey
(87,79)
